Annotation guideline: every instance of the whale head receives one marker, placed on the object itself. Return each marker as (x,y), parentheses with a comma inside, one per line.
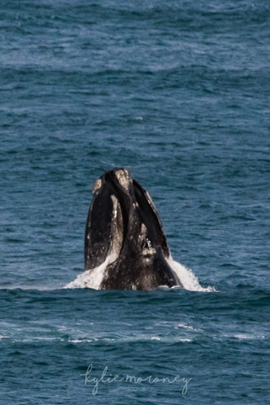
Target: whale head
(123,229)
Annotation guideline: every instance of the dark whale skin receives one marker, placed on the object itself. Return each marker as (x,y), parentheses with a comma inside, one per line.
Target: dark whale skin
(123,223)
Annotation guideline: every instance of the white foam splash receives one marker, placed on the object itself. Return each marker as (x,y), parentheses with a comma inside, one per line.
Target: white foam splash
(92,278)
(187,277)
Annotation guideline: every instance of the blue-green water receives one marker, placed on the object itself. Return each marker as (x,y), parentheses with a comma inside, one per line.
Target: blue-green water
(177,92)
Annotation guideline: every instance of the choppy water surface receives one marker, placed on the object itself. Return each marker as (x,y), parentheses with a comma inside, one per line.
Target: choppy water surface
(178,93)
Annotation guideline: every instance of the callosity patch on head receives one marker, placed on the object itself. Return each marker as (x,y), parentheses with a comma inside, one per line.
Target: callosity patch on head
(97,186)
(123,177)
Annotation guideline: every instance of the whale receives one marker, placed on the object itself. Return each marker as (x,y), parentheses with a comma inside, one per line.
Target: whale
(124,233)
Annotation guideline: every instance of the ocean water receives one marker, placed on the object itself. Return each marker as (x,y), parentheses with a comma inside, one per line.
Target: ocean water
(177,92)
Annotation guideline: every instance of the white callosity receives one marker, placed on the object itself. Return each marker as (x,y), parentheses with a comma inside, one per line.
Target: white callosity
(97,186)
(124,178)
